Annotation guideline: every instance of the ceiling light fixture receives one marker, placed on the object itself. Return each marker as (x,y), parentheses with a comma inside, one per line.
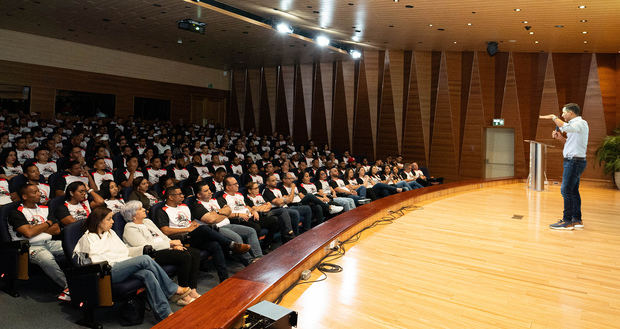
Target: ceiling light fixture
(356,54)
(430,25)
(583,20)
(531,32)
(322,41)
(468,24)
(524,22)
(559,26)
(356,38)
(585,41)
(582,7)
(284,28)
(536,41)
(584,32)
(517,9)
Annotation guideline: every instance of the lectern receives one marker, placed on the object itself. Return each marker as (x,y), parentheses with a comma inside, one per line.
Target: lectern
(538,165)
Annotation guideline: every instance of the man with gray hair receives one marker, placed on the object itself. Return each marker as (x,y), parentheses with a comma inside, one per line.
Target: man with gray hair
(575,147)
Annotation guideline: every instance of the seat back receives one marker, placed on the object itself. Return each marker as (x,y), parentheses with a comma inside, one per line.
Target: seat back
(425,172)
(53,179)
(125,192)
(71,234)
(190,202)
(156,206)
(5,236)
(119,224)
(53,205)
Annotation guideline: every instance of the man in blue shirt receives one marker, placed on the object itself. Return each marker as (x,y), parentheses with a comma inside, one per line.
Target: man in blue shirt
(575,146)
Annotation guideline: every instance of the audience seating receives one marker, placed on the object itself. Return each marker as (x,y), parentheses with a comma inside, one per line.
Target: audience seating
(13,254)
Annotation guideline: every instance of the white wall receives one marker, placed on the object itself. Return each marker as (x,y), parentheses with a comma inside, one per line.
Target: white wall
(34,49)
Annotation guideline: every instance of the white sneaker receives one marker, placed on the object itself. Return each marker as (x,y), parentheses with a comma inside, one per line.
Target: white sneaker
(64,296)
(335,209)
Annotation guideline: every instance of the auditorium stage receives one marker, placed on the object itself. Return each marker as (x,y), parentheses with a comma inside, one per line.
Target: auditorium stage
(465,261)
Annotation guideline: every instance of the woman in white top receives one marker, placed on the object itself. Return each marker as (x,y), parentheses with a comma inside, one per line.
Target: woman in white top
(101,243)
(10,166)
(76,206)
(141,231)
(110,192)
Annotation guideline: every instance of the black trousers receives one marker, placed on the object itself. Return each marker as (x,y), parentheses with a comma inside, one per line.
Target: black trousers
(265,221)
(186,261)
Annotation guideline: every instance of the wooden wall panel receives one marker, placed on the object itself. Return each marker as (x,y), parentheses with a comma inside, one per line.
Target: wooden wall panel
(239,84)
(423,69)
(249,123)
(414,147)
(307,82)
(363,144)
(571,77)
(288,79)
(348,75)
(319,123)
(396,59)
(371,61)
(327,88)
(512,116)
(530,75)
(486,65)
(466,72)
(340,130)
(436,62)
(472,154)
(443,160)
(501,67)
(387,142)
(255,86)
(607,72)
(300,128)
(271,85)
(594,114)
(283,123)
(264,122)
(548,105)
(454,66)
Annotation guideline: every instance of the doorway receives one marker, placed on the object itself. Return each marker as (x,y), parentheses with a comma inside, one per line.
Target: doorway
(500,152)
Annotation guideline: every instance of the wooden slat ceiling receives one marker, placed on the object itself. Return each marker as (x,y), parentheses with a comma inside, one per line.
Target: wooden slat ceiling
(149,27)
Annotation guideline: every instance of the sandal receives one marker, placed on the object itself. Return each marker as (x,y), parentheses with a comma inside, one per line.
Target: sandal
(182,302)
(177,297)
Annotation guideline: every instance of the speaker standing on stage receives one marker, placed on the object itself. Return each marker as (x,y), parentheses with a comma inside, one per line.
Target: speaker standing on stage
(575,146)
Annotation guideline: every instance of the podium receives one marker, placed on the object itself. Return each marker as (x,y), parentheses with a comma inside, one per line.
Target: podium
(538,165)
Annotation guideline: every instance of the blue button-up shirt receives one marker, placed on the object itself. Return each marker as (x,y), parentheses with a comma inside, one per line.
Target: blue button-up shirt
(577,141)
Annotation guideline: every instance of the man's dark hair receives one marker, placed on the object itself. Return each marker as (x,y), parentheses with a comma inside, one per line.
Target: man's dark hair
(573,107)
(219,170)
(169,190)
(22,190)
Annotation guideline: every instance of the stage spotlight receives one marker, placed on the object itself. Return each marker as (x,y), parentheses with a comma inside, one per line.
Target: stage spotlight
(322,41)
(284,28)
(355,54)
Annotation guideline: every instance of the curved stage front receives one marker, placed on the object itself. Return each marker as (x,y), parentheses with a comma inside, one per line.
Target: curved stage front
(224,305)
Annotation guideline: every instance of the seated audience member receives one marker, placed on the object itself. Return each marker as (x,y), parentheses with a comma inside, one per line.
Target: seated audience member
(141,193)
(307,188)
(287,218)
(422,179)
(6,196)
(341,188)
(141,231)
(216,184)
(392,178)
(197,169)
(100,243)
(10,165)
(75,173)
(32,175)
(126,177)
(175,220)
(324,190)
(110,192)
(23,153)
(29,222)
(76,206)
(100,173)
(318,207)
(410,177)
(216,163)
(208,210)
(155,171)
(285,169)
(358,184)
(102,152)
(274,195)
(45,165)
(236,167)
(252,175)
(379,183)
(179,172)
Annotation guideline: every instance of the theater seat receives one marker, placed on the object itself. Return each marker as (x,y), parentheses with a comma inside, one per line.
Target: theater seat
(13,254)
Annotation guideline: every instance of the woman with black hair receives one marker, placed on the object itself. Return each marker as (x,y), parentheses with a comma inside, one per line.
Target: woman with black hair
(76,206)
(9,164)
(140,193)
(110,192)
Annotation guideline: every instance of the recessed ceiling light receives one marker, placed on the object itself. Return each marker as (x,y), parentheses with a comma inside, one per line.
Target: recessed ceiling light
(582,7)
(512,40)
(524,22)
(585,41)
(468,24)
(430,24)
(356,54)
(355,38)
(559,26)
(536,41)
(322,40)
(395,0)
(517,9)
(583,20)
(584,32)
(531,32)
(284,28)
(454,41)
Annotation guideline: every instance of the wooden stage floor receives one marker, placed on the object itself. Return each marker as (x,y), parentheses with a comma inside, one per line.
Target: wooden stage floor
(463,261)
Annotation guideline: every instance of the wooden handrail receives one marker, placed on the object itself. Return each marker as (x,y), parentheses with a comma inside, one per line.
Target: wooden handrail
(224,305)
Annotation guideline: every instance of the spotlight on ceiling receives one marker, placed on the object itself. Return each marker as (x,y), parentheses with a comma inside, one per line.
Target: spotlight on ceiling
(355,54)
(322,41)
(192,25)
(492,48)
(284,28)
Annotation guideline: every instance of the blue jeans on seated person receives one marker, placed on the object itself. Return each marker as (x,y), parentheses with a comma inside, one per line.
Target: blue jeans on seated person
(305,216)
(383,190)
(361,192)
(573,169)
(414,185)
(159,287)
(46,255)
(402,184)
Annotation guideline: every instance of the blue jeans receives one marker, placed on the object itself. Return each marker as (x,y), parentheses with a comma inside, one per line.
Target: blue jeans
(305,216)
(159,287)
(414,185)
(45,255)
(570,188)
(243,234)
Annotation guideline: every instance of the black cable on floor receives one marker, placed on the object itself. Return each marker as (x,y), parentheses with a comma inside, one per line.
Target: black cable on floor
(325,267)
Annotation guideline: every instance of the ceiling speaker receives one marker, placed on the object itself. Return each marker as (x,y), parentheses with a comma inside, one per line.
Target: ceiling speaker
(492,48)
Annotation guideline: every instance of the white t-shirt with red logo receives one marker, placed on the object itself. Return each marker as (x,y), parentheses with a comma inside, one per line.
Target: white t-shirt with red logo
(236,203)
(34,216)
